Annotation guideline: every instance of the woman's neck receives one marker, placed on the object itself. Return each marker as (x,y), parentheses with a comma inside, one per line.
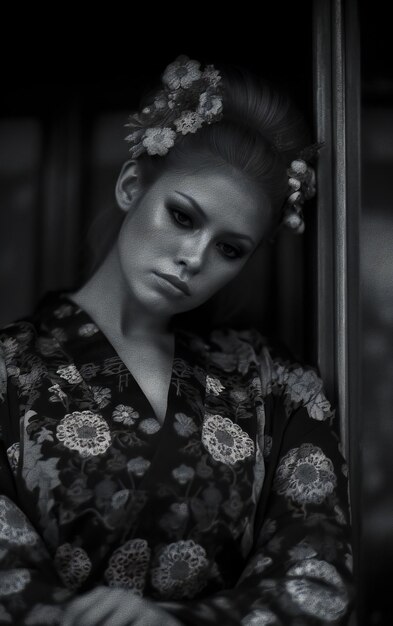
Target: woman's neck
(108,300)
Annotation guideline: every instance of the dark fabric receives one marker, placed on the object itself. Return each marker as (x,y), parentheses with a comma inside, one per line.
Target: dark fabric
(234,509)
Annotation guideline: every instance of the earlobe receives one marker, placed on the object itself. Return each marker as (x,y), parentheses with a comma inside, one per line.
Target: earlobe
(127,185)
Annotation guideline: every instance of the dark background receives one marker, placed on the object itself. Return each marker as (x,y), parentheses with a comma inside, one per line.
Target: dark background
(377,310)
(68,84)
(63,112)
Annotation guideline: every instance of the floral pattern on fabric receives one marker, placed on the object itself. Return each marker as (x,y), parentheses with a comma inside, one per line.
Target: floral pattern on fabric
(181,570)
(225,440)
(305,475)
(85,432)
(322,602)
(73,565)
(13,581)
(128,566)
(224,513)
(13,526)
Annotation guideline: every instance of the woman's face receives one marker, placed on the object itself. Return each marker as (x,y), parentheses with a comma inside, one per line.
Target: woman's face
(199,227)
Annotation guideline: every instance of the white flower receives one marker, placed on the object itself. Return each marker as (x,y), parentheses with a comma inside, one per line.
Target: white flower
(214,385)
(226,441)
(13,580)
(321,593)
(101,395)
(84,431)
(149,426)
(158,140)
(14,527)
(188,122)
(70,374)
(305,475)
(210,106)
(88,330)
(128,566)
(181,73)
(13,455)
(58,393)
(183,474)
(304,386)
(125,414)
(184,425)
(138,466)
(72,564)
(181,571)
(319,408)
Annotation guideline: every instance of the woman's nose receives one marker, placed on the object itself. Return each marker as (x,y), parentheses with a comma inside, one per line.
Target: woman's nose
(193,254)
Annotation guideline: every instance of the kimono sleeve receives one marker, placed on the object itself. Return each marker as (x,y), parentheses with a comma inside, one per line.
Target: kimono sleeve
(299,569)
(31,592)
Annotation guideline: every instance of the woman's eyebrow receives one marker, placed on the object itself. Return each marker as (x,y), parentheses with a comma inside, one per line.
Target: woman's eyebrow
(201,212)
(193,202)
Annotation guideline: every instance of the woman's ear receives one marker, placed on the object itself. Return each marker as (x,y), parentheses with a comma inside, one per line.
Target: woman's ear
(128,184)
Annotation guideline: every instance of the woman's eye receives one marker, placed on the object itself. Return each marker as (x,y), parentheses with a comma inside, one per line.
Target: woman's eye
(181,218)
(229,251)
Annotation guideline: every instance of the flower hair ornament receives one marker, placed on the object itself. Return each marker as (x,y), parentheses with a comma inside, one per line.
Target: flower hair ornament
(190,98)
(301,187)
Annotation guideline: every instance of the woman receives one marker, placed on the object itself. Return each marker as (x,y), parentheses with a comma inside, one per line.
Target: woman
(153,473)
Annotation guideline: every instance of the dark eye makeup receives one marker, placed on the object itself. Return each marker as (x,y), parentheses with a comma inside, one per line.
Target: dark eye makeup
(181,219)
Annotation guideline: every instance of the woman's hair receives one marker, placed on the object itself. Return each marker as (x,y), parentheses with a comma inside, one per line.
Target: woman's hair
(261,131)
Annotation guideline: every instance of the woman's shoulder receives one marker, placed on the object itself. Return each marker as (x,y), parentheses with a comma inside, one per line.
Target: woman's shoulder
(16,337)
(281,372)
(24,335)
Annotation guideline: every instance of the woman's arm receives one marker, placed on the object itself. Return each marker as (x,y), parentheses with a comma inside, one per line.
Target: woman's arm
(299,571)
(30,588)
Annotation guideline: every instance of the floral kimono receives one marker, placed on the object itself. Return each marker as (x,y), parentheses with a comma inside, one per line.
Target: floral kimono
(234,510)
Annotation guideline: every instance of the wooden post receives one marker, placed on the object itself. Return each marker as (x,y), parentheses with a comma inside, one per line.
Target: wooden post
(337,310)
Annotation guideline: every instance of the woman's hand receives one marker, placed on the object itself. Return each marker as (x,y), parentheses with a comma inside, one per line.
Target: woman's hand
(108,606)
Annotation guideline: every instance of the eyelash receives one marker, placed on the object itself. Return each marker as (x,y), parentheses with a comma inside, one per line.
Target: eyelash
(181,225)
